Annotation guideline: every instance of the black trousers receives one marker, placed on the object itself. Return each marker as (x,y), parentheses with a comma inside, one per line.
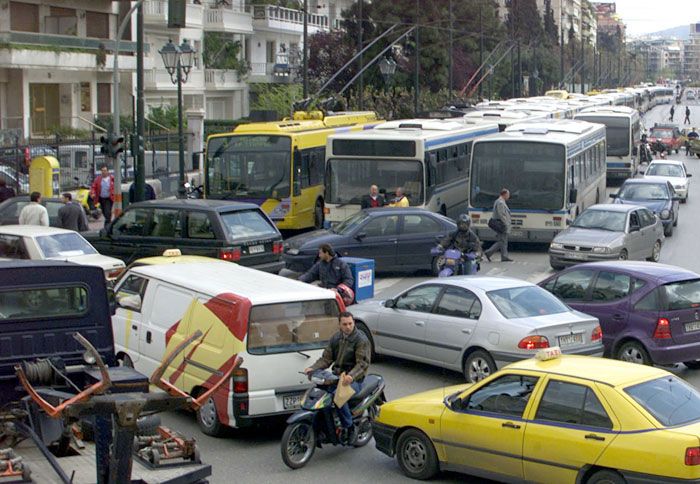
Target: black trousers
(106,207)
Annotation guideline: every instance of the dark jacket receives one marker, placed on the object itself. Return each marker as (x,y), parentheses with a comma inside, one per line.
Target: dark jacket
(71,216)
(349,354)
(149,194)
(367,201)
(6,192)
(329,273)
(464,241)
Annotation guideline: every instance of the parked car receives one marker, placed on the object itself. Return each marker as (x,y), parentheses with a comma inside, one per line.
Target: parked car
(10,209)
(232,231)
(398,239)
(50,243)
(648,312)
(608,232)
(690,95)
(561,419)
(24,154)
(14,179)
(475,324)
(673,171)
(656,194)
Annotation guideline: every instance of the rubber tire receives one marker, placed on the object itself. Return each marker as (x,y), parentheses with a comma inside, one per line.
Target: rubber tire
(675,222)
(433,267)
(606,477)
(365,330)
(652,259)
(478,354)
(668,230)
(623,255)
(361,443)
(318,214)
(148,425)
(430,468)
(216,429)
(443,211)
(283,445)
(692,365)
(684,200)
(556,267)
(646,359)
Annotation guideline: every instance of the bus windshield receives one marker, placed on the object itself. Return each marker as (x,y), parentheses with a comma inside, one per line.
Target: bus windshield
(617,131)
(243,166)
(534,173)
(348,180)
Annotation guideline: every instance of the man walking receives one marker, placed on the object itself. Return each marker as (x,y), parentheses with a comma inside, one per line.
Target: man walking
(103,192)
(672,112)
(501,213)
(687,115)
(34,213)
(71,215)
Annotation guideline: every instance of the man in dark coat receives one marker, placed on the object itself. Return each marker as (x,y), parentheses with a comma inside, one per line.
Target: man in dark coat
(71,215)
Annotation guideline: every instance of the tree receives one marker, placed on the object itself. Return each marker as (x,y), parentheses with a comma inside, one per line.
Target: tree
(329,52)
(551,30)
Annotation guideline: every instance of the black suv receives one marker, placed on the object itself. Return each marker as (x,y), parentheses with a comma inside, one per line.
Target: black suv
(232,231)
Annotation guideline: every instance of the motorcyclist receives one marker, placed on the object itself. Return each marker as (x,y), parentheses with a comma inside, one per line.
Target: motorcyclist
(463,239)
(331,272)
(349,352)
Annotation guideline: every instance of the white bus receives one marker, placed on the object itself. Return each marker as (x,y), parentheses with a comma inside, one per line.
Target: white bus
(623,129)
(554,170)
(428,158)
(504,118)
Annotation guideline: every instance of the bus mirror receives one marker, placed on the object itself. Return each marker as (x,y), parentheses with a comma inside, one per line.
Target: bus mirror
(634,151)
(573,195)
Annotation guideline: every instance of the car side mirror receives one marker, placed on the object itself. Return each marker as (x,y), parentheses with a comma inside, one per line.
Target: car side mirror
(634,151)
(360,236)
(688,175)
(390,303)
(130,302)
(613,195)
(112,300)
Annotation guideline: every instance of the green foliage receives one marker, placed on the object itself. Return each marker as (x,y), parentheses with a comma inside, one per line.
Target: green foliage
(166,116)
(222,52)
(214,126)
(276,97)
(69,132)
(126,123)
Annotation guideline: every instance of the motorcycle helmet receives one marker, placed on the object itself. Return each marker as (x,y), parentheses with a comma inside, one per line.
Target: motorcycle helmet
(346,293)
(464,222)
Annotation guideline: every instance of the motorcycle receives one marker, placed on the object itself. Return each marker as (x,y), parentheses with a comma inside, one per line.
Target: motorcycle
(645,155)
(192,191)
(452,262)
(318,423)
(83,197)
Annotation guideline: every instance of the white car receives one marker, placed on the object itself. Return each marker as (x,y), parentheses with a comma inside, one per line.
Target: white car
(49,243)
(673,171)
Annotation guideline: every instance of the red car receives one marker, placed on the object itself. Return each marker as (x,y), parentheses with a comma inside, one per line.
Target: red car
(667,134)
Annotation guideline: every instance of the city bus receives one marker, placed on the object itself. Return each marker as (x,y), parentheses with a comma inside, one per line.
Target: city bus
(278,165)
(623,130)
(427,158)
(553,169)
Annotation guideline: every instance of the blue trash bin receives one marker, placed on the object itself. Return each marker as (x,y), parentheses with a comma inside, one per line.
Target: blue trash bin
(363,273)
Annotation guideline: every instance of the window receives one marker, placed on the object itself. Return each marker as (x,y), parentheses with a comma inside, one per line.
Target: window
(133,288)
(683,295)
(270,51)
(420,224)
(634,219)
(132,222)
(670,400)
(62,21)
(650,302)
(38,303)
(507,395)
(166,223)
(247,223)
(459,303)
(573,285)
(525,302)
(381,226)
(97,25)
(64,245)
(24,17)
(638,284)
(572,404)
(312,167)
(646,217)
(420,299)
(12,247)
(199,226)
(611,286)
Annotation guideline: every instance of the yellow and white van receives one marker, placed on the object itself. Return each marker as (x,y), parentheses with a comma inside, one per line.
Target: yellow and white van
(277,325)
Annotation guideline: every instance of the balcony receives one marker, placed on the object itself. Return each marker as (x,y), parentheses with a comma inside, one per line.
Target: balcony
(222,80)
(286,20)
(159,80)
(155,13)
(234,20)
(270,72)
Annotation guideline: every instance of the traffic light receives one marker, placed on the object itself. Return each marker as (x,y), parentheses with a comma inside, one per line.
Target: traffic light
(104,145)
(117,145)
(111,145)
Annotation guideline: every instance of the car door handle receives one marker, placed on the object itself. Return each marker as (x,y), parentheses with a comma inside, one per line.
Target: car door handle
(419,323)
(148,336)
(510,425)
(594,437)
(466,331)
(618,317)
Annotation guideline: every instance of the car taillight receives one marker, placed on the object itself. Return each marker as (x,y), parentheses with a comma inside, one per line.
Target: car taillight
(27,155)
(240,380)
(692,456)
(533,343)
(597,334)
(114,273)
(231,254)
(277,247)
(663,329)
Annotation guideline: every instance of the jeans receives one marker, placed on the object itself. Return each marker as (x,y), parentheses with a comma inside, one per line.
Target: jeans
(344,411)
(106,206)
(501,243)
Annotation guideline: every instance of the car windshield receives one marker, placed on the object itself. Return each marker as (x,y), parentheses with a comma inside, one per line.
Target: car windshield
(661,133)
(244,224)
(683,294)
(525,302)
(601,220)
(665,169)
(669,399)
(247,166)
(350,223)
(64,245)
(638,191)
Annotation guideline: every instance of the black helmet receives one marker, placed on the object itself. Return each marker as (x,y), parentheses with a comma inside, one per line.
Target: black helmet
(463,222)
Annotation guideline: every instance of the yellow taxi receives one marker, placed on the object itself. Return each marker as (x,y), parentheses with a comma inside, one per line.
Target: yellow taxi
(553,419)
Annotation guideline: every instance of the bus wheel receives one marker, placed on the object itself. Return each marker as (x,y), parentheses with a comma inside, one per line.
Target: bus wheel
(443,211)
(318,214)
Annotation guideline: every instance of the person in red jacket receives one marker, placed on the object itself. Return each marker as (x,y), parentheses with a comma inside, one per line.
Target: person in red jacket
(103,192)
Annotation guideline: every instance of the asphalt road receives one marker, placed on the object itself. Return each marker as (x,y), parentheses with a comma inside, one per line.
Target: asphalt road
(253,455)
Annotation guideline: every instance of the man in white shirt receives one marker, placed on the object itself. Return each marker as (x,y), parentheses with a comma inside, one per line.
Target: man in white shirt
(34,213)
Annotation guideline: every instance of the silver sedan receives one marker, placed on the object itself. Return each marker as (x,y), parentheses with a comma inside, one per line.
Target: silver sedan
(475,324)
(608,232)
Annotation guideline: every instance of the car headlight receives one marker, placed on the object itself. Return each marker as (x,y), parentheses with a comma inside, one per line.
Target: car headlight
(292,251)
(601,250)
(665,214)
(556,245)
(679,187)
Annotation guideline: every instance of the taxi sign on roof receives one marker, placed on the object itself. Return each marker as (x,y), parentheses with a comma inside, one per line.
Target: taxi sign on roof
(172,253)
(548,353)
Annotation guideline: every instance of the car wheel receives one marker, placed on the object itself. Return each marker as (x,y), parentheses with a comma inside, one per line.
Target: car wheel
(208,419)
(555,266)
(606,477)
(478,365)
(623,255)
(692,365)
(365,330)
(416,455)
(668,230)
(633,352)
(655,252)
(318,214)
(436,264)
(675,222)
(684,200)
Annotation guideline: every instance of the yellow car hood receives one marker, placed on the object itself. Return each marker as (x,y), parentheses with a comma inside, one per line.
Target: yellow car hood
(431,396)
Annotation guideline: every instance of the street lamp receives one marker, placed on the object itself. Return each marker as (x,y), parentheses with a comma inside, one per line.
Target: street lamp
(178,62)
(387,66)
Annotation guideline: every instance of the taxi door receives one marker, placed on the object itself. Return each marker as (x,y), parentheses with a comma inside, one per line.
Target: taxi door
(569,428)
(482,434)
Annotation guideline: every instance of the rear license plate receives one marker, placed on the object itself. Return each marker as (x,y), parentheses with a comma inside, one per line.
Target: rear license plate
(256,249)
(291,401)
(694,326)
(516,233)
(571,339)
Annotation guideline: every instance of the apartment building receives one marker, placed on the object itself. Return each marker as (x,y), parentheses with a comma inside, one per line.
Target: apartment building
(691,52)
(578,15)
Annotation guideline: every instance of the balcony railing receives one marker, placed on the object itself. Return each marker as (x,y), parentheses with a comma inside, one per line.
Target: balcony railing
(66,41)
(221,79)
(156,12)
(235,19)
(272,72)
(288,15)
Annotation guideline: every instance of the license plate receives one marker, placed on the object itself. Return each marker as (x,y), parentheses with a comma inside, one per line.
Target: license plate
(256,249)
(694,326)
(516,233)
(291,401)
(570,339)
(577,255)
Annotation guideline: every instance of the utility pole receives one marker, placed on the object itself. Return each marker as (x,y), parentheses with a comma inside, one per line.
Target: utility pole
(583,66)
(305,55)
(561,47)
(449,56)
(361,60)
(512,54)
(140,168)
(520,73)
(416,80)
(481,43)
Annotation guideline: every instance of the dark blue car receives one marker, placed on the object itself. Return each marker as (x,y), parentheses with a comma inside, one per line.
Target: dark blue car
(656,195)
(398,239)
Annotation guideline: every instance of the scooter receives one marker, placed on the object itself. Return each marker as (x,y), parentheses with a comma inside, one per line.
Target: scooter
(317,422)
(192,191)
(645,155)
(83,197)
(452,262)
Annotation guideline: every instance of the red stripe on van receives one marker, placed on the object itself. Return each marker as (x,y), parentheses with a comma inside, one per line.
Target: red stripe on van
(170,332)
(233,311)
(181,367)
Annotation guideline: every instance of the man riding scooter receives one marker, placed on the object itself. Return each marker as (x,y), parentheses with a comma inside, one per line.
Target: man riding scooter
(463,239)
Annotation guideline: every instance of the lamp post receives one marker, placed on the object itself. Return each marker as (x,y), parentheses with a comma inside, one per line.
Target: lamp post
(387,66)
(178,62)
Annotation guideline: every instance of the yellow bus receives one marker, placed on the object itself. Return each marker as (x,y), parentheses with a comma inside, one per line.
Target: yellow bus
(278,165)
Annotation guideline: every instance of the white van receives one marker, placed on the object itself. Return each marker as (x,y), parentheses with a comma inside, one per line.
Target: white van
(277,325)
